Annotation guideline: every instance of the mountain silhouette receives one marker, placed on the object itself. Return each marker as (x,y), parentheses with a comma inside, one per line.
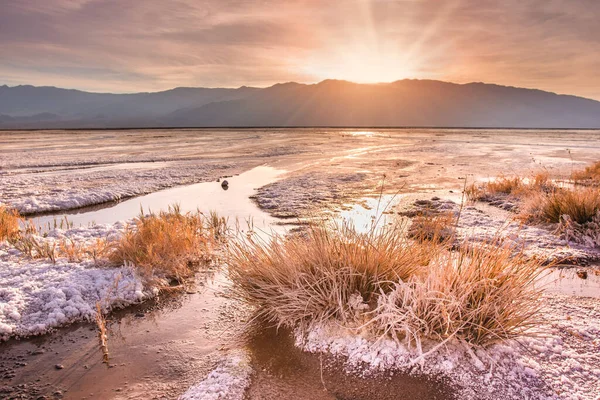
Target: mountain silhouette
(415,103)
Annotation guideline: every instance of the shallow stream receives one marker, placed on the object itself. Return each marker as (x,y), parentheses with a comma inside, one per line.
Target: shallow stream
(232,202)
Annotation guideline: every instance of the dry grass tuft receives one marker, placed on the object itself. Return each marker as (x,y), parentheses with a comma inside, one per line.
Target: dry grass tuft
(406,289)
(516,187)
(315,277)
(76,251)
(505,185)
(579,204)
(482,294)
(167,245)
(9,223)
(590,175)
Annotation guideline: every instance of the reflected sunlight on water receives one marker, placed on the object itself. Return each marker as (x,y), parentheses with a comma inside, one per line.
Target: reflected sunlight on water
(370,211)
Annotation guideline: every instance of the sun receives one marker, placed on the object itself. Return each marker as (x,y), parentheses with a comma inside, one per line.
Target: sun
(364,65)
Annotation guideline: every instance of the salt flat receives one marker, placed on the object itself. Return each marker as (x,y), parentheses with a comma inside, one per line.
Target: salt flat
(56,170)
(324,172)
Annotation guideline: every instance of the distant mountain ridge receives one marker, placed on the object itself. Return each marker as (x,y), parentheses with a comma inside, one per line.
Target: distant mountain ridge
(417,103)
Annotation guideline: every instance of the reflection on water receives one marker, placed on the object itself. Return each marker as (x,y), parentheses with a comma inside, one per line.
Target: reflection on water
(370,211)
(573,281)
(283,371)
(208,196)
(157,349)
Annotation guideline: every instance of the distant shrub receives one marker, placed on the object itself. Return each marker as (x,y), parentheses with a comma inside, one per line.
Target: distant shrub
(516,187)
(589,175)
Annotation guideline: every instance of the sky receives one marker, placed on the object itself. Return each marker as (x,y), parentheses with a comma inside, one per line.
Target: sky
(133,45)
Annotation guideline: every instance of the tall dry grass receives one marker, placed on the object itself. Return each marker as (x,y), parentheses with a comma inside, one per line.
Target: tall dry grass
(9,223)
(313,277)
(383,281)
(168,244)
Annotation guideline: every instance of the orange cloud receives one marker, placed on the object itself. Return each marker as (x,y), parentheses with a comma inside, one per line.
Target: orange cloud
(112,45)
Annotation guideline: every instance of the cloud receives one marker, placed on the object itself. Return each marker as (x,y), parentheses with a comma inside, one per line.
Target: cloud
(113,45)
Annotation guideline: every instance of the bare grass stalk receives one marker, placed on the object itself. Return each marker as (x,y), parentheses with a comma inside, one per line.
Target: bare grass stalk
(102,332)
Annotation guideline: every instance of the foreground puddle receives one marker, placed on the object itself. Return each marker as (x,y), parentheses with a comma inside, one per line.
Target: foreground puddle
(232,202)
(156,351)
(283,371)
(584,282)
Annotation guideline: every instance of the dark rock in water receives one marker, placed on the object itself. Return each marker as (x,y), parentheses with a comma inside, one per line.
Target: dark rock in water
(582,274)
(224,184)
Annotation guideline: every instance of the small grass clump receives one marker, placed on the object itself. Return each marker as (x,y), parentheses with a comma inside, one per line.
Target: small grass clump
(395,287)
(505,185)
(76,251)
(167,245)
(579,204)
(588,176)
(9,223)
(502,185)
(515,187)
(576,213)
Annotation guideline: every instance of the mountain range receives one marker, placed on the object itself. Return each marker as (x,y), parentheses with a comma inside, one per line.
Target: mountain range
(414,103)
